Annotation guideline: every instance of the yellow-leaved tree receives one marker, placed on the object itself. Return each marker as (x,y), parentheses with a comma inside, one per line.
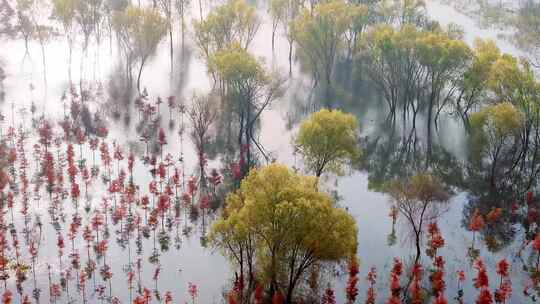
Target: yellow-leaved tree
(279,226)
(328,139)
(495,130)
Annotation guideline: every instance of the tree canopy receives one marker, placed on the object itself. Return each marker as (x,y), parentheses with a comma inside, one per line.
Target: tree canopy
(233,22)
(320,35)
(328,139)
(140,30)
(292,225)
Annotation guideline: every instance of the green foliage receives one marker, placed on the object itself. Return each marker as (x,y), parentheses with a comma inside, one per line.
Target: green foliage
(141,28)
(320,35)
(416,69)
(513,81)
(139,31)
(328,140)
(496,124)
(292,225)
(475,80)
(247,90)
(495,131)
(237,66)
(234,22)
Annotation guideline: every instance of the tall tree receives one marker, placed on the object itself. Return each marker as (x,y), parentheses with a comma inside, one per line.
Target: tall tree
(283,13)
(166,6)
(421,199)
(495,130)
(64,11)
(474,83)
(182,7)
(202,114)
(140,31)
(233,22)
(248,90)
(320,36)
(293,226)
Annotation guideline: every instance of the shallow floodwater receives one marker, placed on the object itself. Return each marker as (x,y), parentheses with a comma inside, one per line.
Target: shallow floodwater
(206,268)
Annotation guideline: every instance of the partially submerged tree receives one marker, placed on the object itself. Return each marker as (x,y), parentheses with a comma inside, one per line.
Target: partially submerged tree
(24,25)
(416,69)
(279,224)
(202,113)
(495,130)
(248,89)
(167,6)
(182,7)
(64,11)
(320,36)
(474,83)
(328,140)
(421,199)
(234,22)
(140,30)
(283,13)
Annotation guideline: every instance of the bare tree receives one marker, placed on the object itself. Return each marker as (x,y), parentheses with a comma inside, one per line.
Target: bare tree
(202,114)
(421,199)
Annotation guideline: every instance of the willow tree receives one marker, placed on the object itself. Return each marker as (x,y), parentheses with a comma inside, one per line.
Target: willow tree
(320,37)
(359,23)
(284,12)
(328,140)
(248,89)
(181,7)
(527,25)
(496,129)
(202,114)
(167,6)
(285,226)
(474,84)
(416,69)
(24,26)
(233,22)
(276,9)
(444,60)
(84,18)
(390,59)
(139,30)
(421,199)
(38,12)
(64,11)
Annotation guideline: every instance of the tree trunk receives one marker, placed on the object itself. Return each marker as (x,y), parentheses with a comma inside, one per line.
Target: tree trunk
(200,10)
(290,57)
(139,76)
(171,45)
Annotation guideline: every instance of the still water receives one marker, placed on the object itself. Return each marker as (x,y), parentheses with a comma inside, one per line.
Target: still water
(207,268)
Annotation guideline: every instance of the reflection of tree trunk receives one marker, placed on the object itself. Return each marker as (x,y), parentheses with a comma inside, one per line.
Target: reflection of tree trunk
(274,27)
(290,57)
(429,135)
(200,10)
(83,57)
(494,167)
(140,73)
(70,45)
(328,86)
(248,142)
(44,61)
(26,49)
(171,44)
(183,30)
